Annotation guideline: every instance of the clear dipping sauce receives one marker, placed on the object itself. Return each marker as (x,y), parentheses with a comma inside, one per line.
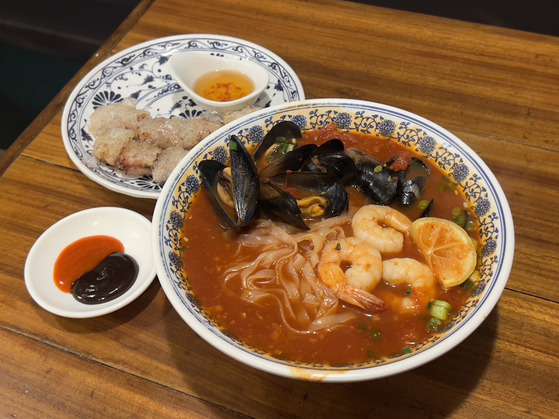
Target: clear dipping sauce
(223,85)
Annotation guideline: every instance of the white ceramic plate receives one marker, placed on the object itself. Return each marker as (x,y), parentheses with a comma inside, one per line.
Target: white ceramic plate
(423,137)
(131,228)
(141,72)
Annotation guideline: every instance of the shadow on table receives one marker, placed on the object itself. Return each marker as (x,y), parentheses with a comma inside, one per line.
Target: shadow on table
(433,390)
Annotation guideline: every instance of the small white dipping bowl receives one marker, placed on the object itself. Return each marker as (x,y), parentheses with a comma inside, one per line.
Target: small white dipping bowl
(186,68)
(421,136)
(131,228)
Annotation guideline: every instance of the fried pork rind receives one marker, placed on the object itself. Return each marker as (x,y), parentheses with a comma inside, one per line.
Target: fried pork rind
(173,132)
(166,162)
(117,115)
(138,158)
(134,142)
(110,143)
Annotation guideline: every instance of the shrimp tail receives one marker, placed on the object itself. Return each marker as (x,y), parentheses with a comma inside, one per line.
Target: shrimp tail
(363,299)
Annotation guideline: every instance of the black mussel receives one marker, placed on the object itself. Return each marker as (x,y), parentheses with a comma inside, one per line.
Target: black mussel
(293,161)
(277,202)
(331,158)
(373,179)
(284,132)
(410,190)
(318,195)
(236,187)
(420,164)
(210,173)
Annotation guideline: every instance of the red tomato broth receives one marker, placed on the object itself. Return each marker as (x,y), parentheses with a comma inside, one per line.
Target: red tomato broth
(207,254)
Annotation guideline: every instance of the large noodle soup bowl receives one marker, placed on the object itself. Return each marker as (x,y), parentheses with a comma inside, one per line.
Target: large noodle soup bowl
(426,139)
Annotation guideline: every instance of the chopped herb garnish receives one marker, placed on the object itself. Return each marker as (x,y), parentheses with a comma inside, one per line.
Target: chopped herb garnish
(339,246)
(423,204)
(431,328)
(408,291)
(470,226)
(436,321)
(377,169)
(439,309)
(406,350)
(232,145)
(468,284)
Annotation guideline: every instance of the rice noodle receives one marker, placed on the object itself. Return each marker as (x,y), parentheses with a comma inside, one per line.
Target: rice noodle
(285,272)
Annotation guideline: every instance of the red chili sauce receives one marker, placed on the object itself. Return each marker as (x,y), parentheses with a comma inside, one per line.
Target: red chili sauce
(95,269)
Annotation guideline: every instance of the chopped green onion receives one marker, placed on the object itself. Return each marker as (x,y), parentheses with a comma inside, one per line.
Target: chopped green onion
(339,246)
(431,328)
(423,204)
(406,350)
(459,216)
(470,226)
(439,309)
(232,145)
(441,303)
(436,321)
(470,283)
(377,169)
(408,291)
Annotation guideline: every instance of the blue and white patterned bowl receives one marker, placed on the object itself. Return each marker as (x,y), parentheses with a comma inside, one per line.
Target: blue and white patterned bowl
(425,138)
(141,72)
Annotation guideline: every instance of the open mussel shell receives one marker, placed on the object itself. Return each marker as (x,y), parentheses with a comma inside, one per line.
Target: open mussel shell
(284,130)
(246,185)
(331,158)
(292,161)
(410,190)
(243,186)
(373,179)
(279,203)
(312,184)
(210,173)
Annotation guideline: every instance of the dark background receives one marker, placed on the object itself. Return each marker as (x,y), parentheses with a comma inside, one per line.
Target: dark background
(44,43)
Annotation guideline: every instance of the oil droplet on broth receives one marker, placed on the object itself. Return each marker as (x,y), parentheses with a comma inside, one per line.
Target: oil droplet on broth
(223,85)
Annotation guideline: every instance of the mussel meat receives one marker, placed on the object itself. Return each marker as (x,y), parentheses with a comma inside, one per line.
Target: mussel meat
(317,195)
(282,135)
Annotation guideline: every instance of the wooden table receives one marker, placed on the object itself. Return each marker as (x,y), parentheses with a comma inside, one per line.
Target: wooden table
(496,89)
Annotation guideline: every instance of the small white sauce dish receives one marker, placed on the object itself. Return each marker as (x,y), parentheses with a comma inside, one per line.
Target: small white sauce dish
(187,67)
(131,228)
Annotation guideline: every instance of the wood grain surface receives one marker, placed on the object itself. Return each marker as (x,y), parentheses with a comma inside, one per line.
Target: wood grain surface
(496,89)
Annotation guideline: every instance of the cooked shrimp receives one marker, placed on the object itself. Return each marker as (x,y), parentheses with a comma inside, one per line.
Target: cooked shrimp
(419,278)
(381,226)
(353,286)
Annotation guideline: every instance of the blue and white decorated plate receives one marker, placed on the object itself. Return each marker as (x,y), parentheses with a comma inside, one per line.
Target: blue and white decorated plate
(141,72)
